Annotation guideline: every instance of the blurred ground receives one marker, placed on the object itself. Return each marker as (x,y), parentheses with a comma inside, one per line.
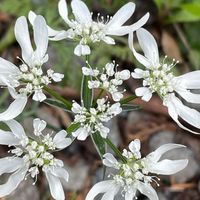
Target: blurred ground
(176,26)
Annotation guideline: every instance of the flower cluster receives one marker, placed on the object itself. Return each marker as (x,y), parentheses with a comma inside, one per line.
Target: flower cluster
(157,77)
(29,77)
(92,120)
(109,79)
(86,31)
(29,155)
(133,174)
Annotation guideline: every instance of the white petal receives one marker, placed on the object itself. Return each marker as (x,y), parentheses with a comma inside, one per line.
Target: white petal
(7,69)
(59,35)
(81,133)
(63,11)
(144,92)
(40,36)
(51,32)
(111,193)
(117,96)
(16,129)
(144,61)
(137,74)
(8,138)
(81,12)
(23,38)
(109,40)
(122,15)
(174,115)
(99,188)
(104,131)
(39,125)
(136,144)
(110,161)
(57,77)
(189,96)
(190,80)
(190,115)
(124,30)
(82,50)
(148,45)
(10,164)
(39,96)
(168,167)
(130,194)
(61,141)
(148,191)
(15,108)
(156,155)
(13,182)
(55,185)
(60,173)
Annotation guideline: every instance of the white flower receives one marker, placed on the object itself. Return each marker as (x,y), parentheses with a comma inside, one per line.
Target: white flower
(87,31)
(134,175)
(93,120)
(28,78)
(157,77)
(108,80)
(30,155)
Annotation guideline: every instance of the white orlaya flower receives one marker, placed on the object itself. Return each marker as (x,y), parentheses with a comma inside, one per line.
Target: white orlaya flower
(29,155)
(28,78)
(157,77)
(153,164)
(133,174)
(88,31)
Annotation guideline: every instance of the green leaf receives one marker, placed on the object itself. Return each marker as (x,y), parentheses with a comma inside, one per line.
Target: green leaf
(56,103)
(115,150)
(130,107)
(86,93)
(73,127)
(99,144)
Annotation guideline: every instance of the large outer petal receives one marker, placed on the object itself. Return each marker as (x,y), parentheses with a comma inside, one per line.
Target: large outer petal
(168,167)
(10,164)
(55,185)
(60,173)
(7,69)
(172,110)
(63,11)
(51,32)
(191,116)
(189,96)
(156,155)
(124,30)
(190,80)
(148,191)
(13,182)
(144,61)
(16,129)
(122,15)
(15,108)
(99,188)
(81,12)
(111,193)
(40,37)
(8,138)
(148,45)
(23,38)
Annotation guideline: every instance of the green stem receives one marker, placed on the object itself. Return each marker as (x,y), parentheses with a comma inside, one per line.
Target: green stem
(128,99)
(67,103)
(115,149)
(98,96)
